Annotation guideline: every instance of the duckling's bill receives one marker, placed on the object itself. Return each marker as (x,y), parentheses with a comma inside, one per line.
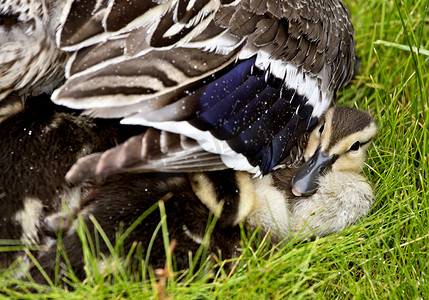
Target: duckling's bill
(305,180)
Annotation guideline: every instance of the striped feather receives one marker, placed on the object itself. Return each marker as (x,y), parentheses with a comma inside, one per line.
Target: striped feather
(153,150)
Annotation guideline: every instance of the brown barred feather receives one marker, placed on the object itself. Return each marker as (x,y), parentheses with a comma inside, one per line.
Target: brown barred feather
(313,28)
(153,150)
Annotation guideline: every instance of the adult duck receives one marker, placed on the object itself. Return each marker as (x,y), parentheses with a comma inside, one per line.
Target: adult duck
(244,79)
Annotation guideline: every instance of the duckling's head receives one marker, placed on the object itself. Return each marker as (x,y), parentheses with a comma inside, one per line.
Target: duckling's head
(339,142)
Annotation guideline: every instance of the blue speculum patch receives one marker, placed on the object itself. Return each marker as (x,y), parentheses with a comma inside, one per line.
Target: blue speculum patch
(253,113)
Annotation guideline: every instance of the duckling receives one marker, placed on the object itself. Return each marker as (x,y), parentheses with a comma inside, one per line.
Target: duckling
(244,79)
(40,141)
(270,202)
(324,195)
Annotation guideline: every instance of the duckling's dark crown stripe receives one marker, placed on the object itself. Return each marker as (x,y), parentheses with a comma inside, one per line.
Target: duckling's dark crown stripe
(347,121)
(257,114)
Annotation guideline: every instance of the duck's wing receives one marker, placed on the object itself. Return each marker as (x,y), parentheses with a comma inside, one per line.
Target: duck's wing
(153,150)
(242,78)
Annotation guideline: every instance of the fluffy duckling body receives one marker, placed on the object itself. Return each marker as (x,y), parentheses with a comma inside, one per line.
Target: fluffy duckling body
(342,198)
(39,143)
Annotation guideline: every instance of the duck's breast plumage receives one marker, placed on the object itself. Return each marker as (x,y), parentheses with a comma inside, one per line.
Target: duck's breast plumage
(30,61)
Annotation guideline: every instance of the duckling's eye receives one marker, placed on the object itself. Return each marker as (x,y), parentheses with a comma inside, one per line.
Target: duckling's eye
(321,129)
(355,146)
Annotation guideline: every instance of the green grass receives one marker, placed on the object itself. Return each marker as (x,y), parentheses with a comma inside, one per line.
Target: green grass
(385,255)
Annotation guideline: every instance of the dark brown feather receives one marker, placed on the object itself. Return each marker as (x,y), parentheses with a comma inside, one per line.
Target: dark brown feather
(83,21)
(243,22)
(267,30)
